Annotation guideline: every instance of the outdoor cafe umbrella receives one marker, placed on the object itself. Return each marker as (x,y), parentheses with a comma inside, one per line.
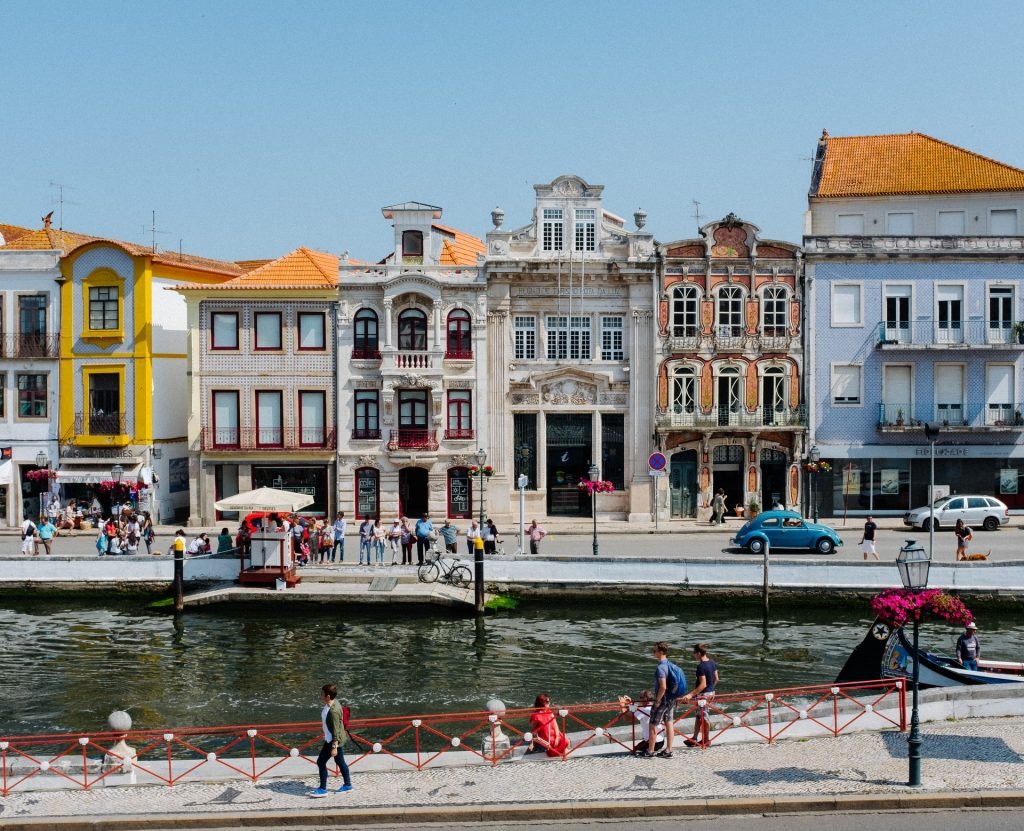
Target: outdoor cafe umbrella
(265,499)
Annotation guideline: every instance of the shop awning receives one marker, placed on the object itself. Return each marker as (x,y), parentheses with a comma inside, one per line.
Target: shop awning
(92,474)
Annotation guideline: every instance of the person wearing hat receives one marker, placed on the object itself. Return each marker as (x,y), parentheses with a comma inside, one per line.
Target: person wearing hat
(968,647)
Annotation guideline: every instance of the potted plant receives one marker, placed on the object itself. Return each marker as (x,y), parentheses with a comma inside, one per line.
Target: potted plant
(1018,331)
(899,417)
(753,507)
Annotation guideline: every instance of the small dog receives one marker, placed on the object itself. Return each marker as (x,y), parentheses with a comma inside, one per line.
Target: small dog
(978,555)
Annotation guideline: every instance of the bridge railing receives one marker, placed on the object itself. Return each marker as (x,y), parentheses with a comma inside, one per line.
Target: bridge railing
(169,757)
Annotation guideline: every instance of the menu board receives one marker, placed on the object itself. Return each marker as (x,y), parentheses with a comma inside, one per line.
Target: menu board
(366,494)
(459,496)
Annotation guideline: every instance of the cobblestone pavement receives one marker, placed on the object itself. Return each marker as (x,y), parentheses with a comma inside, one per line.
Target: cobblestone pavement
(975,755)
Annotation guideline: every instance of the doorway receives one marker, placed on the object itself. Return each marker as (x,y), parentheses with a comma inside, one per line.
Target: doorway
(727,474)
(412,492)
(773,478)
(569,453)
(682,484)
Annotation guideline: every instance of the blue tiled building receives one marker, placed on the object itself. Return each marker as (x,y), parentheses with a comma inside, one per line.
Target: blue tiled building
(915,271)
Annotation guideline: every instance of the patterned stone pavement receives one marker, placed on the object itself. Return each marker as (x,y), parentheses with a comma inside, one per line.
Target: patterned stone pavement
(974,755)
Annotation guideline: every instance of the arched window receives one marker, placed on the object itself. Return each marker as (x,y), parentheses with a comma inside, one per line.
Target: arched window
(460,335)
(730,312)
(412,330)
(773,395)
(774,312)
(685,307)
(728,396)
(684,392)
(412,244)
(366,343)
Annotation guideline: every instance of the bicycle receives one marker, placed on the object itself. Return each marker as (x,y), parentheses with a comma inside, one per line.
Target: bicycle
(436,570)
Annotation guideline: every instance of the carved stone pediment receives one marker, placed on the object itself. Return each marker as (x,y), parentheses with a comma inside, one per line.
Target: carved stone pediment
(569,391)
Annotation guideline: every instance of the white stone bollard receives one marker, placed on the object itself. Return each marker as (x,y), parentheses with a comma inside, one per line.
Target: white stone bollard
(121,757)
(495,741)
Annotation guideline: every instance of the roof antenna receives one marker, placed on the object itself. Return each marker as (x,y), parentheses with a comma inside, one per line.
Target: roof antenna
(61,201)
(153,230)
(697,215)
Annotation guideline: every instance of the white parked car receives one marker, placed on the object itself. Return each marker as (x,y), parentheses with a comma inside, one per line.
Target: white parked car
(977,511)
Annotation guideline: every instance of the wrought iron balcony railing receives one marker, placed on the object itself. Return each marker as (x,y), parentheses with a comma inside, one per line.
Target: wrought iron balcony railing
(950,334)
(267,438)
(413,438)
(100,424)
(763,418)
(30,345)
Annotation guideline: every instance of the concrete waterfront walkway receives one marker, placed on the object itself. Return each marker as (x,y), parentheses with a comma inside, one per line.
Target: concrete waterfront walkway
(971,762)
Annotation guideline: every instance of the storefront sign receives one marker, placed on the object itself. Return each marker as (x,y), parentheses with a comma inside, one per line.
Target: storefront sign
(459,503)
(366,494)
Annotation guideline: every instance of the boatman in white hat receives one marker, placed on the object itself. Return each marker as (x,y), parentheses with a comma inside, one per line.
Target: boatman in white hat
(968,647)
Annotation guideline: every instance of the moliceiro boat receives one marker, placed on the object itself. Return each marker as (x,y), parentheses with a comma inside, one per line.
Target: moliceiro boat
(886,652)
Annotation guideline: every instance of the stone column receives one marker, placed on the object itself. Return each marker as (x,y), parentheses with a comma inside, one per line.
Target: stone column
(498,488)
(640,423)
(387,321)
(438,344)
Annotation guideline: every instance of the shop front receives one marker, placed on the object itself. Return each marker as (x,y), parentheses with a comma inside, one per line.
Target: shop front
(311,480)
(569,455)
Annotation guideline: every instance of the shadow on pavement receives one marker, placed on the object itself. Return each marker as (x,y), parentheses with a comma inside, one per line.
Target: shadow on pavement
(956,748)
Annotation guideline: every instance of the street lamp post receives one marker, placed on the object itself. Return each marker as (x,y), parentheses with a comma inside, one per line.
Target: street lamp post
(931,432)
(595,476)
(522,481)
(478,550)
(815,455)
(914,564)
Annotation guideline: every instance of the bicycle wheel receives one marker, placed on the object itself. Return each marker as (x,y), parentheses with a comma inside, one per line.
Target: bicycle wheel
(461,576)
(428,572)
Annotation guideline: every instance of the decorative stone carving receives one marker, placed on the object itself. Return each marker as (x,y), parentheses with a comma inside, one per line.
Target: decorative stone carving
(411,379)
(499,246)
(367,461)
(460,384)
(569,391)
(569,187)
(366,384)
(525,398)
(497,217)
(462,460)
(619,399)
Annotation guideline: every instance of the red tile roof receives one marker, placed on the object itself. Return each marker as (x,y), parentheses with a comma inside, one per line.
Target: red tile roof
(298,270)
(458,247)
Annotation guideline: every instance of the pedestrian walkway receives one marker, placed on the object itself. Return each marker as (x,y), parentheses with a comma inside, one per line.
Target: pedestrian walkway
(964,757)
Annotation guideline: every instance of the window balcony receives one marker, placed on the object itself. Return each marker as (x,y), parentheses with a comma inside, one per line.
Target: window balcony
(729,337)
(412,438)
(458,355)
(366,434)
(365,354)
(459,434)
(101,424)
(928,333)
(414,360)
(774,339)
(270,439)
(894,418)
(761,418)
(684,339)
(30,346)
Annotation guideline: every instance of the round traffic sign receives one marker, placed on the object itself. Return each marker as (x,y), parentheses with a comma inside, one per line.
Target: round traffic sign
(657,461)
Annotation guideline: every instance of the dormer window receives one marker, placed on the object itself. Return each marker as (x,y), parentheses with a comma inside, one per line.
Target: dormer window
(551,232)
(586,229)
(412,244)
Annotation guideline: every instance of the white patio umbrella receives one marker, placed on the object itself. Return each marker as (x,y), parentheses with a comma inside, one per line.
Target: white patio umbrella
(265,499)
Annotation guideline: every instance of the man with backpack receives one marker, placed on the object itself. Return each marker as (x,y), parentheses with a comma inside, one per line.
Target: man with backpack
(28,537)
(669,685)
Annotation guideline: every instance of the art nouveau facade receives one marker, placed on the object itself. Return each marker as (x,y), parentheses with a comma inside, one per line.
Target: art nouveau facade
(411,372)
(731,413)
(570,340)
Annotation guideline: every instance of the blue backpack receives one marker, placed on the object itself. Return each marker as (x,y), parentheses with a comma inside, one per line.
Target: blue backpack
(675,684)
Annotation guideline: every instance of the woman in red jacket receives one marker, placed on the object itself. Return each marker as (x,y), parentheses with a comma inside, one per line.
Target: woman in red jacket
(544,726)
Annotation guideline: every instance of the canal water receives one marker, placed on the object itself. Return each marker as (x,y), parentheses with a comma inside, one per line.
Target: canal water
(67,665)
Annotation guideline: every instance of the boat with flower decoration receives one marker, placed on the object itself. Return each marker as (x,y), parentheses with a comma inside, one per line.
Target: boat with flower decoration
(886,652)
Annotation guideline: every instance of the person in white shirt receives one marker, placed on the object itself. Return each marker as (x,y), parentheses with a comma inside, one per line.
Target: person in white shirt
(340,526)
(28,537)
(472,535)
(395,538)
(643,716)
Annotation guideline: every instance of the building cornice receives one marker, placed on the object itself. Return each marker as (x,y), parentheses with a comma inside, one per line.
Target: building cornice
(825,246)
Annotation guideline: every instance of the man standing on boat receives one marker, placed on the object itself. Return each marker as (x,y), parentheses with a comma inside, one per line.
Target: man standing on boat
(968,647)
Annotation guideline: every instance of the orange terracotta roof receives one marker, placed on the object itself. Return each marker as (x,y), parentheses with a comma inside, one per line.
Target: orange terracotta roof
(9,233)
(906,164)
(48,239)
(299,269)
(249,265)
(458,247)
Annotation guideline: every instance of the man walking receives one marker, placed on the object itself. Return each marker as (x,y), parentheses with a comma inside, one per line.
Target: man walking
(46,531)
(365,540)
(669,684)
(718,508)
(968,647)
(868,539)
(536,534)
(334,737)
(424,528)
(340,526)
(449,533)
(28,537)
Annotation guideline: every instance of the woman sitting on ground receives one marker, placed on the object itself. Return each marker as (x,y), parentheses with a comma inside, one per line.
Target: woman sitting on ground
(544,726)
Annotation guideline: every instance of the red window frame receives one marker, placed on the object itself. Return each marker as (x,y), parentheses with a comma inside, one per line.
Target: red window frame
(256,332)
(362,400)
(459,340)
(213,331)
(298,332)
(213,418)
(256,417)
(460,472)
(363,345)
(369,472)
(323,419)
(414,323)
(459,415)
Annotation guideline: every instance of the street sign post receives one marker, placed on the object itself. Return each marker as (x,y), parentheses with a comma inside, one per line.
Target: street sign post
(657,461)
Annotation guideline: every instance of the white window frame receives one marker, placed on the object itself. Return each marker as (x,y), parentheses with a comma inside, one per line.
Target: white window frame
(555,224)
(1014,312)
(785,300)
(580,338)
(939,212)
(585,229)
(678,305)
(886,286)
(859,324)
(613,338)
(989,416)
(886,403)
(719,299)
(849,215)
(524,334)
(995,210)
(962,329)
(832,385)
(935,387)
(556,332)
(684,403)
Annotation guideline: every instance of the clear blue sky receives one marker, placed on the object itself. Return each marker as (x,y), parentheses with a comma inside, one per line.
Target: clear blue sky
(253,128)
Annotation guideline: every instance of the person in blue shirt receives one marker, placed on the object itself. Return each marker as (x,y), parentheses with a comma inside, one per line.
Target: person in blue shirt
(46,532)
(703,690)
(449,533)
(424,530)
(669,683)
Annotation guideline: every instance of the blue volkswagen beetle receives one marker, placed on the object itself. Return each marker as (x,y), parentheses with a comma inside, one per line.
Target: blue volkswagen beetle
(785,529)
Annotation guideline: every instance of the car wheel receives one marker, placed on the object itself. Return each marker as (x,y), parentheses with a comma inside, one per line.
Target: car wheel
(825,546)
(927,524)
(991,523)
(755,546)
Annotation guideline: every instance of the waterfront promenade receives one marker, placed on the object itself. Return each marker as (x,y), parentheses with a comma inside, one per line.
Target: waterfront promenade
(970,762)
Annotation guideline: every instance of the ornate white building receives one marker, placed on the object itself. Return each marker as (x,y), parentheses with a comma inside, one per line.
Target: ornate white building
(570,355)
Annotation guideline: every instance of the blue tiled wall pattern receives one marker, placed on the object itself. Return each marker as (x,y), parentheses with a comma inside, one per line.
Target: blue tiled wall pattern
(859,424)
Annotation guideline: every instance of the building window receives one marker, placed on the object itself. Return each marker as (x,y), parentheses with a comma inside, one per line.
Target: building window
(730,312)
(551,232)
(32,396)
(103,308)
(999,394)
(846,305)
(611,339)
(269,425)
(104,390)
(684,390)
(558,337)
(268,330)
(846,384)
(568,343)
(850,225)
(312,418)
(897,313)
(1002,222)
(412,410)
(224,330)
(685,303)
(524,328)
(367,493)
(950,223)
(586,229)
(460,335)
(312,331)
(773,395)
(950,301)
(460,493)
(775,312)
(412,244)
(225,418)
(1000,314)
(412,330)
(367,409)
(32,315)
(949,393)
(366,344)
(899,223)
(524,450)
(460,415)
(613,449)
(728,397)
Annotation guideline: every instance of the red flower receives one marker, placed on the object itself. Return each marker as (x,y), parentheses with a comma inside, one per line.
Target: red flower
(897,606)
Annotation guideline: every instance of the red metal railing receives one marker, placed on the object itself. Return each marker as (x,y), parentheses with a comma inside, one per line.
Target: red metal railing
(251,752)
(461,434)
(413,438)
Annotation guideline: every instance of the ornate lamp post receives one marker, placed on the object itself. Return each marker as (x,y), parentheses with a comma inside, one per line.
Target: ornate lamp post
(594,474)
(42,460)
(478,551)
(815,456)
(914,563)
(116,472)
